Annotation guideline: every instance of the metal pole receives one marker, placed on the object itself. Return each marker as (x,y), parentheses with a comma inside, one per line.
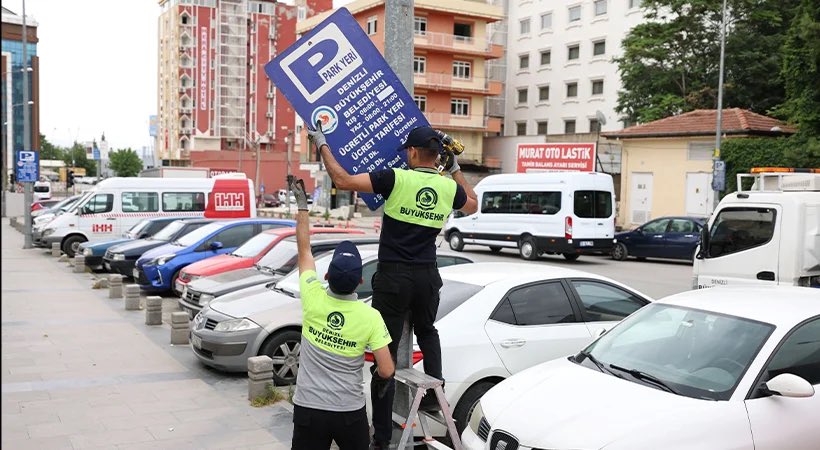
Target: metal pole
(291,137)
(27,192)
(716,154)
(5,171)
(258,182)
(398,51)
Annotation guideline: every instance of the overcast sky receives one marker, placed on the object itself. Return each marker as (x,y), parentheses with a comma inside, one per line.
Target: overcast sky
(98,68)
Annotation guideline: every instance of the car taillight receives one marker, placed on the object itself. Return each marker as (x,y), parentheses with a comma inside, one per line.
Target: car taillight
(36,206)
(568,227)
(417,356)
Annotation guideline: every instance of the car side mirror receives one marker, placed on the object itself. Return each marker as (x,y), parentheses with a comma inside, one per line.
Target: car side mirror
(703,248)
(143,235)
(216,245)
(789,385)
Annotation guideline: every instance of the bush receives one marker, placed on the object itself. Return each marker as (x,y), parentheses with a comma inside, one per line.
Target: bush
(743,154)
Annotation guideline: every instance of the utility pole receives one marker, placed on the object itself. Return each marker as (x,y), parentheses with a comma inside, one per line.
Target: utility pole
(290,139)
(27,192)
(718,166)
(258,157)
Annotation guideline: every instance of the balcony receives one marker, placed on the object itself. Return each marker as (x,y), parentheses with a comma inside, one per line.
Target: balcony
(446,82)
(186,109)
(447,120)
(458,45)
(185,131)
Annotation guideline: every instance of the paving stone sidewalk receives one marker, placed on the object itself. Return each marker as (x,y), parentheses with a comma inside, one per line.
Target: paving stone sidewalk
(78,371)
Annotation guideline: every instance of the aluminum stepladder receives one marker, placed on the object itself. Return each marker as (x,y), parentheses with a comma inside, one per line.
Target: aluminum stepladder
(419,383)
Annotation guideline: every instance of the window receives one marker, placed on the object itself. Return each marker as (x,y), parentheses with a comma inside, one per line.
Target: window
(463,31)
(524,26)
(543,94)
(537,304)
(155,226)
(546,21)
(597,87)
(573,52)
(460,107)
(593,204)
(232,237)
(546,57)
(656,226)
(594,126)
(575,13)
(547,203)
(419,64)
(634,4)
(524,61)
(598,48)
(521,128)
(185,19)
(301,13)
(462,70)
(183,201)
(365,290)
(799,354)
(372,25)
(682,226)
(270,226)
(738,229)
(701,151)
(420,25)
(600,7)
(140,202)
(605,303)
(569,126)
(522,96)
(98,204)
(572,90)
(421,102)
(541,127)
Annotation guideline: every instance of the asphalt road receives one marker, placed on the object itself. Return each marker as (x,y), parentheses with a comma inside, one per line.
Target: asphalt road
(656,278)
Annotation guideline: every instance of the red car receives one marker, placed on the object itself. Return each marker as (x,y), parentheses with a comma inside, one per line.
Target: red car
(248,253)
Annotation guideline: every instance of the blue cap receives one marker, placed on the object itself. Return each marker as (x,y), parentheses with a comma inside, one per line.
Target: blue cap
(423,137)
(345,271)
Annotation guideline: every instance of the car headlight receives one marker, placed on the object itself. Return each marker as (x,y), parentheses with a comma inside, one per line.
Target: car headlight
(204,299)
(48,231)
(88,252)
(119,257)
(475,418)
(199,318)
(232,325)
(163,259)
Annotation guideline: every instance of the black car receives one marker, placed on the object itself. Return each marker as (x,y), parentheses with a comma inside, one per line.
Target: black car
(122,258)
(270,200)
(666,237)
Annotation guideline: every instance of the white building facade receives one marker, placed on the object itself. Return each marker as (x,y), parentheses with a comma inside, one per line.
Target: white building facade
(560,72)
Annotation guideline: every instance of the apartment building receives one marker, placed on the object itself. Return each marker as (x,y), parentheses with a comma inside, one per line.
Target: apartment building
(560,73)
(452,49)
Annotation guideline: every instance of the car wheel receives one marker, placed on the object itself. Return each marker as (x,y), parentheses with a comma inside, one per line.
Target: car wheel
(456,241)
(571,256)
(495,249)
(528,249)
(72,245)
(467,403)
(619,252)
(174,283)
(283,348)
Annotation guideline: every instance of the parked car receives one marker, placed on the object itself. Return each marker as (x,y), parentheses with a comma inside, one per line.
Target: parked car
(94,253)
(666,237)
(266,320)
(43,204)
(273,265)
(715,368)
(46,214)
(42,221)
(158,270)
(269,200)
(122,258)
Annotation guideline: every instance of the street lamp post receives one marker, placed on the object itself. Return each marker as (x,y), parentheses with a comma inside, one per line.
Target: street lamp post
(716,155)
(5,182)
(27,192)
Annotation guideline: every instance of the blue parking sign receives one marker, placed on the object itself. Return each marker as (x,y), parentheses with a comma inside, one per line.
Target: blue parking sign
(334,74)
(27,166)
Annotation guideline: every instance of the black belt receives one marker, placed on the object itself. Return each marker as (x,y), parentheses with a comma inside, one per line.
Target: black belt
(404,267)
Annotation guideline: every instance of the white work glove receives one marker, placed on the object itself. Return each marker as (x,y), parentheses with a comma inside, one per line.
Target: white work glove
(316,136)
(453,167)
(297,186)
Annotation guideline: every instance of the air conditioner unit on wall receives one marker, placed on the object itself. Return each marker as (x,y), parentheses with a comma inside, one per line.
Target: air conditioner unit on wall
(269,115)
(270,94)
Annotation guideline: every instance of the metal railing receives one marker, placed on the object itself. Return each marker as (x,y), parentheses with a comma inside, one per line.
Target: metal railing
(448,81)
(452,41)
(445,120)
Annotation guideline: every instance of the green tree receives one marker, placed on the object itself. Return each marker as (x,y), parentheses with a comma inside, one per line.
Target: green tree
(49,150)
(76,155)
(125,162)
(670,63)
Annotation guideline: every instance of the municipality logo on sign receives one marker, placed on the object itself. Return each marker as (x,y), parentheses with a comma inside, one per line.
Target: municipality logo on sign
(321,63)
(327,116)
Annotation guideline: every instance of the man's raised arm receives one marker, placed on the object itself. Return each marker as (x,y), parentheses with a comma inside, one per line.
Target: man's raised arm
(342,179)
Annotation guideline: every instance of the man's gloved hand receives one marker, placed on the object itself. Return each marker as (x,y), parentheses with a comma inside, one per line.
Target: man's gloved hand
(451,165)
(316,136)
(297,186)
(380,385)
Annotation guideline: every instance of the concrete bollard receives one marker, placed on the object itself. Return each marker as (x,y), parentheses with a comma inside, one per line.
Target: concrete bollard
(132,297)
(153,310)
(260,374)
(180,329)
(55,249)
(115,286)
(79,263)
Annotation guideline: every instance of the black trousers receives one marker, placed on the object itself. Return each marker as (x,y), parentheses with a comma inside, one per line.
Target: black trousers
(314,429)
(401,291)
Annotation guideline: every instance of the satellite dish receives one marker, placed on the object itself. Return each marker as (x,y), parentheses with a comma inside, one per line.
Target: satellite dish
(600,117)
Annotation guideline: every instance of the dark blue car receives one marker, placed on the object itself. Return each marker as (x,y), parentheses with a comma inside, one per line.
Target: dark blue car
(158,269)
(666,237)
(94,252)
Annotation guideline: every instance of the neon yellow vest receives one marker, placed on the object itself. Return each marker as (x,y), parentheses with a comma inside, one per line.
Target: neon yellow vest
(421,197)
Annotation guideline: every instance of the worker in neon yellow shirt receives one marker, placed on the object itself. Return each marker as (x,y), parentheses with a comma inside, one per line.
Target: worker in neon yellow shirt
(329,403)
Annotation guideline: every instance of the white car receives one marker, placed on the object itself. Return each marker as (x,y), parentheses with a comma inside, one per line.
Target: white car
(722,368)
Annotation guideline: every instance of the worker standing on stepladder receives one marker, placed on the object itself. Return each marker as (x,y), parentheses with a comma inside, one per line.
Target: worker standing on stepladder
(329,403)
(407,281)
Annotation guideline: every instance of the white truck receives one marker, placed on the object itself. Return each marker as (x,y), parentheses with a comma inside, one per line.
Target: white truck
(768,234)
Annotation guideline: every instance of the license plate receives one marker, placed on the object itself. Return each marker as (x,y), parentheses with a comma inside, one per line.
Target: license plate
(196,341)
(136,273)
(586,243)
(107,267)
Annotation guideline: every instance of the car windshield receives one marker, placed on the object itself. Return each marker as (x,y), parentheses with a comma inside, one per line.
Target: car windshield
(199,234)
(81,201)
(281,258)
(290,283)
(690,352)
(254,245)
(42,188)
(169,231)
(139,228)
